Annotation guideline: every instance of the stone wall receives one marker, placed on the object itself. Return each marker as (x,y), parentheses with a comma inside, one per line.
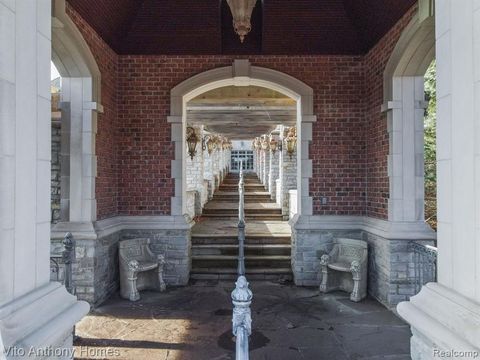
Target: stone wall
(390,264)
(95,271)
(55,171)
(175,245)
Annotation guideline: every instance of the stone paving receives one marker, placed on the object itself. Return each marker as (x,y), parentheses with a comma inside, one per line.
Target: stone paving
(289,322)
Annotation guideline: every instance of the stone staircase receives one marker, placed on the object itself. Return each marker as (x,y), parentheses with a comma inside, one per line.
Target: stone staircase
(215,241)
(258,205)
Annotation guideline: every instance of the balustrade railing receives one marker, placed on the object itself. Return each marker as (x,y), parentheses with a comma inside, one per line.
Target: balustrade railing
(241,295)
(424,264)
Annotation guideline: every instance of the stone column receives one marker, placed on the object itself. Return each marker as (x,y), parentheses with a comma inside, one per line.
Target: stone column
(194,172)
(266,167)
(25,146)
(288,179)
(445,316)
(273,174)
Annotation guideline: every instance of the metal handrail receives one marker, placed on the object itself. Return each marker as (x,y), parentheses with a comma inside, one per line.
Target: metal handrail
(241,295)
(424,264)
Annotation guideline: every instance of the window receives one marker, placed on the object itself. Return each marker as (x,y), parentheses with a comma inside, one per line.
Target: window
(245,156)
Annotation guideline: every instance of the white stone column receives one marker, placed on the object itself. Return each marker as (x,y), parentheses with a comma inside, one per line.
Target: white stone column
(288,179)
(446,315)
(266,167)
(33,311)
(273,173)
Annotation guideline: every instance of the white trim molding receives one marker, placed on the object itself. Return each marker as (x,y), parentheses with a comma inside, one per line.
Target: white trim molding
(241,73)
(404,103)
(442,320)
(80,103)
(417,230)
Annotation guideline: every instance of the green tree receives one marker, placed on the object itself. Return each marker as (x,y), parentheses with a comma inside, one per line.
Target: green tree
(430,128)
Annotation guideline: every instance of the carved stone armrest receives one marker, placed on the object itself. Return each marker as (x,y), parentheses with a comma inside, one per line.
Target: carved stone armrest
(161,260)
(133,265)
(325,259)
(355,266)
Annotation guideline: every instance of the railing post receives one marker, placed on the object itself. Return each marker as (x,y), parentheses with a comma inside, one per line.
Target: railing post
(68,259)
(242,317)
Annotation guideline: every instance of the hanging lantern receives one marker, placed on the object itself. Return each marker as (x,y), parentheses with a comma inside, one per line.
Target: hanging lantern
(210,143)
(291,141)
(192,140)
(242,13)
(264,142)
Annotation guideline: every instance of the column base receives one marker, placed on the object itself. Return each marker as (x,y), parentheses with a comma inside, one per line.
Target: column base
(39,324)
(444,324)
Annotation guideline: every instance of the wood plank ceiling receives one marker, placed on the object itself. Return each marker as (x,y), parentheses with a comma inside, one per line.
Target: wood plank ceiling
(195,27)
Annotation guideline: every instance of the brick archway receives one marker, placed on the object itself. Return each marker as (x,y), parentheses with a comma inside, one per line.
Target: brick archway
(241,73)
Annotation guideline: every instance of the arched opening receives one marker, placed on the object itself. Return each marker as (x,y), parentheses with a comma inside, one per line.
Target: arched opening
(404,94)
(241,73)
(76,107)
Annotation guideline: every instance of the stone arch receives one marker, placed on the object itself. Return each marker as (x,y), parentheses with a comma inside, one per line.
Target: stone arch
(241,73)
(404,102)
(80,102)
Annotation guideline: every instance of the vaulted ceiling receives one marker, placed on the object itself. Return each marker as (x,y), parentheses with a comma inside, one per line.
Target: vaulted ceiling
(205,26)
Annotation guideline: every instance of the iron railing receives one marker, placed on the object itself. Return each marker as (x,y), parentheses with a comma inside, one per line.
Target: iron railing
(241,295)
(68,258)
(424,264)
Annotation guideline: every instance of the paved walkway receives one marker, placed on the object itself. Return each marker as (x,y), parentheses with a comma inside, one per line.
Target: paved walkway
(289,323)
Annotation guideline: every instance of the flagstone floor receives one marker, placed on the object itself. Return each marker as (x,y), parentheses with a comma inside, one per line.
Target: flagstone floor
(289,322)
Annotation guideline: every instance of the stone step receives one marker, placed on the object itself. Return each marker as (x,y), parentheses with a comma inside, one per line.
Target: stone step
(253,217)
(233,240)
(231,261)
(234,212)
(232,249)
(247,187)
(247,199)
(284,274)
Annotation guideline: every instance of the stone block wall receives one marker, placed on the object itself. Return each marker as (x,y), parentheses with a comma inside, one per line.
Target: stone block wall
(390,262)
(175,245)
(95,271)
(55,171)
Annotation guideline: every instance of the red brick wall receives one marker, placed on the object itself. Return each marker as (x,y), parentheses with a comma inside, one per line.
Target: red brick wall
(377,141)
(145,149)
(106,146)
(349,150)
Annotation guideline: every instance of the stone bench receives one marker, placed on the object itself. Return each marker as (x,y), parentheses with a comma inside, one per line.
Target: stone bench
(140,268)
(345,268)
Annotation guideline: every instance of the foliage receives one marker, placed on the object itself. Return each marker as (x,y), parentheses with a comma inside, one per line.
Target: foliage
(430,127)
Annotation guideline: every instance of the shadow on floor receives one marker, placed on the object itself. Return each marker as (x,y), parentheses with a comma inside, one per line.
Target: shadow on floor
(289,322)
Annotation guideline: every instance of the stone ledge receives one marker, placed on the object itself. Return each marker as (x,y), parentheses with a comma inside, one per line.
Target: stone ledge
(386,229)
(447,319)
(41,317)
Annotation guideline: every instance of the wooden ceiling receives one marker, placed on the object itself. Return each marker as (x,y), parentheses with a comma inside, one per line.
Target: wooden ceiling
(241,112)
(195,27)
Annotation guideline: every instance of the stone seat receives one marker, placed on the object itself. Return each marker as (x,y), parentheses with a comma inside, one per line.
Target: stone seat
(340,266)
(140,268)
(146,266)
(345,268)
